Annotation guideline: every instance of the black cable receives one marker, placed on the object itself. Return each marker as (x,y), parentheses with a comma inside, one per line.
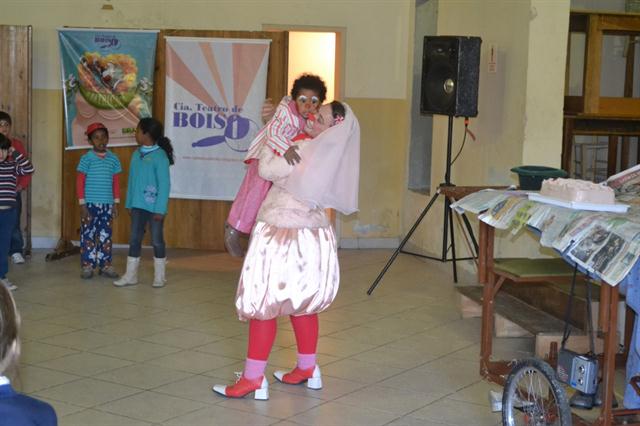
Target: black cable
(567,316)
(464,138)
(592,344)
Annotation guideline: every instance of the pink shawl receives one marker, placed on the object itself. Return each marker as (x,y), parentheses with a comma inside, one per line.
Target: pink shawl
(328,175)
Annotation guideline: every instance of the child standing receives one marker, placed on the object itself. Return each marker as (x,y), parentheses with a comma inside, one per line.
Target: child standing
(12,165)
(307,94)
(98,191)
(147,198)
(17,242)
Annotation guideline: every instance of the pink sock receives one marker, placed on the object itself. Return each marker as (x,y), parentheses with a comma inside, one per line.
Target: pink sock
(254,368)
(306,361)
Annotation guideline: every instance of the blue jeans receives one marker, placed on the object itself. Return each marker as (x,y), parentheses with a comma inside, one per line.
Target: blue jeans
(139,220)
(17,242)
(7,223)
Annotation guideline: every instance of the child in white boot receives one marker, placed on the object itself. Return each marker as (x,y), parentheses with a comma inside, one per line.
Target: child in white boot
(147,198)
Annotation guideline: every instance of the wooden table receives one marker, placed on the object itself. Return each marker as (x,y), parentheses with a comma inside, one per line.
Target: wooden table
(496,371)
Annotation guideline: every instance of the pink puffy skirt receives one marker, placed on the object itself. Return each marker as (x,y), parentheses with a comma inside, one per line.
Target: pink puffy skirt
(288,271)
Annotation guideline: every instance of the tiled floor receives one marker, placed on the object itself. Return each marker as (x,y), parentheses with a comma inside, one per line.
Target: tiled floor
(137,356)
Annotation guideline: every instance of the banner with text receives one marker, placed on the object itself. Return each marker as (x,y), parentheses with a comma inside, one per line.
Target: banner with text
(107,77)
(214,94)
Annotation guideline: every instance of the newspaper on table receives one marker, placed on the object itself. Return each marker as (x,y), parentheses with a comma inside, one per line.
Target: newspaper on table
(620,264)
(500,215)
(480,201)
(608,247)
(626,185)
(605,244)
(579,224)
(550,221)
(522,216)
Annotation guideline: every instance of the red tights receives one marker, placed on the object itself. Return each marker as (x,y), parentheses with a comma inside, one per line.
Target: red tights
(262,334)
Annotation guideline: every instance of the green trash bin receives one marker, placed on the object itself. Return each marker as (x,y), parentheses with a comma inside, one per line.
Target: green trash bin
(531,177)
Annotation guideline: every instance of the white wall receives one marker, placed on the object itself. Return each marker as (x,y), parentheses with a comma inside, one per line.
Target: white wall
(377,43)
(520,105)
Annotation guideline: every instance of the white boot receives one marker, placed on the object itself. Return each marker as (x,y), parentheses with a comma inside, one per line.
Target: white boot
(159,266)
(130,277)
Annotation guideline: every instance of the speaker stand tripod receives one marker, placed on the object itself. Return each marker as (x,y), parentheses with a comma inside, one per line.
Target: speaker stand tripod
(447,229)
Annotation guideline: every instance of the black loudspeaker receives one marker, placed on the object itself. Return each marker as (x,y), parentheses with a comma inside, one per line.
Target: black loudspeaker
(450,71)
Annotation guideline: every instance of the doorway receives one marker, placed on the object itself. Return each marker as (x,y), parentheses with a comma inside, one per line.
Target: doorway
(313,52)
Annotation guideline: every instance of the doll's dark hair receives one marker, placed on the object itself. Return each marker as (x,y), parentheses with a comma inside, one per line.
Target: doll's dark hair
(155,130)
(309,82)
(337,109)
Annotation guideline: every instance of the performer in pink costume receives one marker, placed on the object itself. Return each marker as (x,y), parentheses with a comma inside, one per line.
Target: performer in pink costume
(307,94)
(291,267)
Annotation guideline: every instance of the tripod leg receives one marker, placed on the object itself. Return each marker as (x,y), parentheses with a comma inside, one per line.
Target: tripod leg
(445,231)
(402,244)
(447,205)
(467,225)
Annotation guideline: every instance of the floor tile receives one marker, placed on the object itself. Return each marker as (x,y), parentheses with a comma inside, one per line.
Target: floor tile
(62,408)
(195,387)
(280,405)
(221,416)
(332,388)
(220,327)
(32,378)
(395,401)
(333,413)
(135,350)
(87,392)
(84,364)
(38,329)
(34,352)
(126,328)
(192,361)
(139,356)
(143,376)
(151,406)
(99,418)
(83,340)
(457,413)
(181,338)
(359,371)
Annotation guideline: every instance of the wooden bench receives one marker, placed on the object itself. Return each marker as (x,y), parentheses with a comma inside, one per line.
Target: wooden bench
(521,270)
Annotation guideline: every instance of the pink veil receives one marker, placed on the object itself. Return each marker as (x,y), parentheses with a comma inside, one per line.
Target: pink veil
(329,173)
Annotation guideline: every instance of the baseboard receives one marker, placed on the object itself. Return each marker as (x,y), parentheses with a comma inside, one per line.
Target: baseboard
(44,242)
(115,246)
(369,243)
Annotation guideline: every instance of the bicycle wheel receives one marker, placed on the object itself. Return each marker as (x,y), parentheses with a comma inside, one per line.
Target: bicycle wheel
(533,396)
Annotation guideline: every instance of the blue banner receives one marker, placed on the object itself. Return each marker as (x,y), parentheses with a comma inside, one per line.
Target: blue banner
(108,78)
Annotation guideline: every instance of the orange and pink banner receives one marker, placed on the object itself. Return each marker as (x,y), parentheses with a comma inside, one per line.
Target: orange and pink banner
(214,89)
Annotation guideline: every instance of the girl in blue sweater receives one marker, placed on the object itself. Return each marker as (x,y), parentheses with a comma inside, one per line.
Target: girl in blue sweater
(147,198)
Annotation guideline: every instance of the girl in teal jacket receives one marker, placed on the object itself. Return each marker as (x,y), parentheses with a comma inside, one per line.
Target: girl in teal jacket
(147,198)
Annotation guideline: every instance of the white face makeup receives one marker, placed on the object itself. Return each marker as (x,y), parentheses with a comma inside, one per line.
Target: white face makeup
(307,102)
(324,120)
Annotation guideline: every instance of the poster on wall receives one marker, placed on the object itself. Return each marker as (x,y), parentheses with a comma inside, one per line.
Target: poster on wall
(107,76)
(214,92)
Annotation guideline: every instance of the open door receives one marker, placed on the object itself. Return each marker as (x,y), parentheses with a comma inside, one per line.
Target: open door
(195,224)
(15,98)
